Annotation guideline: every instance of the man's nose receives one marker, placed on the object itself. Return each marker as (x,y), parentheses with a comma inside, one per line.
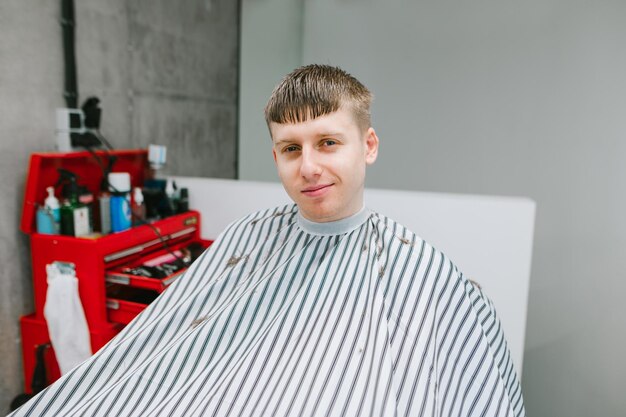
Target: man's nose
(310,167)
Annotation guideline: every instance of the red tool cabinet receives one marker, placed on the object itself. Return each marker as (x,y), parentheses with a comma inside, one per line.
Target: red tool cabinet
(106,293)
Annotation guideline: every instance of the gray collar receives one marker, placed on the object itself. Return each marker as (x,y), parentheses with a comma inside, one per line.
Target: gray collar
(337,227)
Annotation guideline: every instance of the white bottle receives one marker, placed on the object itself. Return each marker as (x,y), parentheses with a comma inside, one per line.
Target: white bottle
(52,204)
(170,193)
(170,189)
(139,208)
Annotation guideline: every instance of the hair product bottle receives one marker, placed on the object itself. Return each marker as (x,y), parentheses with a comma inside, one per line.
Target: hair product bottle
(49,216)
(104,203)
(119,185)
(139,208)
(74,215)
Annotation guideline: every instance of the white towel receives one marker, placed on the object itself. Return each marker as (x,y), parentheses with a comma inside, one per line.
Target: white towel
(65,316)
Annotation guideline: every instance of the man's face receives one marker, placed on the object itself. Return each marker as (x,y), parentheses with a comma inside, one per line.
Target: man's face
(321,163)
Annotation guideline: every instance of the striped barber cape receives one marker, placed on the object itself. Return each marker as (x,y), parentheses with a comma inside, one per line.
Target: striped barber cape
(285,317)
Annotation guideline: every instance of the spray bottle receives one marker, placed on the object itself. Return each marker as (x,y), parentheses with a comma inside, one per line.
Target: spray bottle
(75,216)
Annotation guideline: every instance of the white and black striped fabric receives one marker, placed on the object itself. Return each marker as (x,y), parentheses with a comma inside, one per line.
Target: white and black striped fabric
(284,317)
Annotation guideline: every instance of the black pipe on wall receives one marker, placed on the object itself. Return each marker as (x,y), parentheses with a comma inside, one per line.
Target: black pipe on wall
(67,22)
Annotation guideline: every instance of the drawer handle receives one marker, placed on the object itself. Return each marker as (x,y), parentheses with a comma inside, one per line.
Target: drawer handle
(117,279)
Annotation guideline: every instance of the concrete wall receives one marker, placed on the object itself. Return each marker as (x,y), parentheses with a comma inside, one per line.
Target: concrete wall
(509,98)
(166,72)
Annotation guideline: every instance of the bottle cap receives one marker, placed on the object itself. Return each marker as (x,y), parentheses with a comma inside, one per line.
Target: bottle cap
(137,196)
(119,182)
(51,201)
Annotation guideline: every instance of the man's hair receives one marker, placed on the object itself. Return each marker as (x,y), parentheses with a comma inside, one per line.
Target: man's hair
(316,90)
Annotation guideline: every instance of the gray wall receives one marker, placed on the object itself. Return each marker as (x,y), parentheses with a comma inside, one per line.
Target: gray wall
(271,46)
(508,98)
(166,72)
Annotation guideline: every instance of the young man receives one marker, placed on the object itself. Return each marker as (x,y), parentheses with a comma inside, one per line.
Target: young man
(317,308)
(322,140)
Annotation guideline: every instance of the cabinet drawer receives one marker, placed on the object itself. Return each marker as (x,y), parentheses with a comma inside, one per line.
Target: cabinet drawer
(123,312)
(125,303)
(162,264)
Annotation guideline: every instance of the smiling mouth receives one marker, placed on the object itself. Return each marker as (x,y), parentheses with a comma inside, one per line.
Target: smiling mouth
(316,190)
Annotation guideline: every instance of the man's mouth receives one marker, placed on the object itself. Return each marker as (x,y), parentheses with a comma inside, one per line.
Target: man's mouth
(316,190)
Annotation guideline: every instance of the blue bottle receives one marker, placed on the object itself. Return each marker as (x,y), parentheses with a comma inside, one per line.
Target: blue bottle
(49,216)
(119,185)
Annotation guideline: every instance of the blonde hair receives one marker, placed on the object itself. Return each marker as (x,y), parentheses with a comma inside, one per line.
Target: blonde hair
(316,90)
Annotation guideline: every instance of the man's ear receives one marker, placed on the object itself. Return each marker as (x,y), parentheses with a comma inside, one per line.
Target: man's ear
(371,146)
(274,154)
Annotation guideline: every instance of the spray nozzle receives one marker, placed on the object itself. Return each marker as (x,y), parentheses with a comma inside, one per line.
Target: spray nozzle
(65,175)
(69,180)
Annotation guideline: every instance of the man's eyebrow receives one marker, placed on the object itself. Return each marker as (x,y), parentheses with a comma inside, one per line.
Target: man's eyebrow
(319,135)
(334,134)
(281,141)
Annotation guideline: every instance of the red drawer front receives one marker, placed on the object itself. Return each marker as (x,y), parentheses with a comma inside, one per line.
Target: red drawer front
(123,311)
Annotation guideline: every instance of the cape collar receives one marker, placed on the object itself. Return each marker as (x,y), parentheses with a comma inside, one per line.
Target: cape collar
(337,227)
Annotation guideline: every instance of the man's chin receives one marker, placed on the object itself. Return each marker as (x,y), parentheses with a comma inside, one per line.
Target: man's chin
(319,214)
(313,214)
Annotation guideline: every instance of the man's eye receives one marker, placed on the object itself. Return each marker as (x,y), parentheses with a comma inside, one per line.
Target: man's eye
(291,148)
(329,142)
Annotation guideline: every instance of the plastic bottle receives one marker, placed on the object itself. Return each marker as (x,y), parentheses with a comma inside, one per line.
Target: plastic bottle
(49,216)
(103,206)
(172,198)
(87,199)
(119,184)
(139,208)
(153,190)
(104,203)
